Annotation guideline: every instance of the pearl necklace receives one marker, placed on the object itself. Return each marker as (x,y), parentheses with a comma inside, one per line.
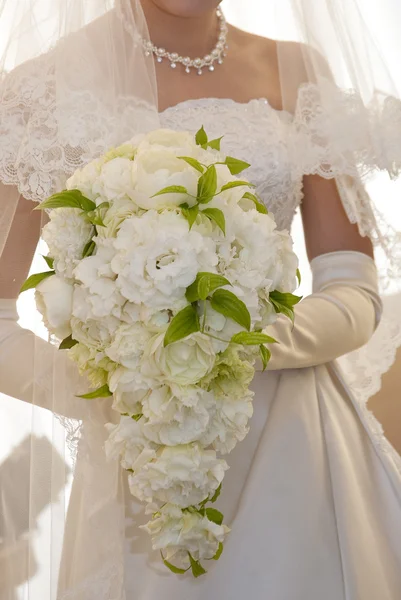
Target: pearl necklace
(217,54)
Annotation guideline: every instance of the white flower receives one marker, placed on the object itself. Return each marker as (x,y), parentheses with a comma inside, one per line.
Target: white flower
(84,179)
(128,345)
(126,440)
(66,235)
(54,302)
(96,334)
(181,475)
(184,362)
(158,258)
(176,415)
(285,266)
(119,211)
(86,359)
(176,533)
(157,168)
(115,179)
(229,423)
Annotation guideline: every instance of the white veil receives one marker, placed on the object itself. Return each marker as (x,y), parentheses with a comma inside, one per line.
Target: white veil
(74,82)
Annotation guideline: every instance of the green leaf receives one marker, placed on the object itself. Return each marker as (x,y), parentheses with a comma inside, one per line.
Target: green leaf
(284,310)
(89,249)
(67,198)
(219,552)
(207,185)
(265,355)
(216,494)
(235,184)
(49,261)
(253,338)
(102,392)
(95,218)
(204,284)
(284,298)
(172,189)
(217,216)
(193,163)
(227,304)
(215,144)
(67,343)
(34,280)
(261,208)
(182,325)
(236,166)
(190,213)
(197,569)
(299,276)
(201,137)
(214,515)
(137,417)
(103,205)
(172,567)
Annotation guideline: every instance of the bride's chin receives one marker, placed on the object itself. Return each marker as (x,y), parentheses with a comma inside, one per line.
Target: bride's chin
(187,8)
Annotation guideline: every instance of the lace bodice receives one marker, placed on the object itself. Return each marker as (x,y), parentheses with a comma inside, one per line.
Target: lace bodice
(253,132)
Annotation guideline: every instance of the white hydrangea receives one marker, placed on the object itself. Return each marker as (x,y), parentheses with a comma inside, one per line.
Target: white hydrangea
(286,265)
(66,235)
(158,258)
(176,533)
(182,475)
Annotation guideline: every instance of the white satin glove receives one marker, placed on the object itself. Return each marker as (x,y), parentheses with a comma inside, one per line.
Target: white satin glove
(338,317)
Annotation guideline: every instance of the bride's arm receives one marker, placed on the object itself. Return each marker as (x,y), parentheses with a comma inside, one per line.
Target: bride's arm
(344,309)
(19,347)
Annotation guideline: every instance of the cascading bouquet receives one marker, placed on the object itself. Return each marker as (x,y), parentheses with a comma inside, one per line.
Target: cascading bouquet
(166,270)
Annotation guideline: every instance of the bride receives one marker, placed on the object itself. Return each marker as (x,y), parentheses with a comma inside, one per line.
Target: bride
(313,494)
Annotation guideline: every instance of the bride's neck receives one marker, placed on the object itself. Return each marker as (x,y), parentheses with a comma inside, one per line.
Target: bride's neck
(189,36)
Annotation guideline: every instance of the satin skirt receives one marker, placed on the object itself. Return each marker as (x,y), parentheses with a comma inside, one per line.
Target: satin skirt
(313,498)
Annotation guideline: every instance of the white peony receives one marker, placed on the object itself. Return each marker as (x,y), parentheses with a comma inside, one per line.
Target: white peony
(176,415)
(184,362)
(158,258)
(66,235)
(113,217)
(182,475)
(54,302)
(176,533)
(126,440)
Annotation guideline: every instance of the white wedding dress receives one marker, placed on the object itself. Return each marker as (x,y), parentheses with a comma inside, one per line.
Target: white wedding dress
(313,494)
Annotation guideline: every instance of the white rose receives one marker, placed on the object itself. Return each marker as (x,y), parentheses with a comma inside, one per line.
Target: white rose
(66,235)
(176,415)
(129,402)
(54,302)
(181,475)
(120,209)
(157,168)
(285,266)
(229,423)
(182,142)
(84,179)
(128,345)
(158,258)
(115,179)
(176,533)
(97,334)
(184,362)
(126,440)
